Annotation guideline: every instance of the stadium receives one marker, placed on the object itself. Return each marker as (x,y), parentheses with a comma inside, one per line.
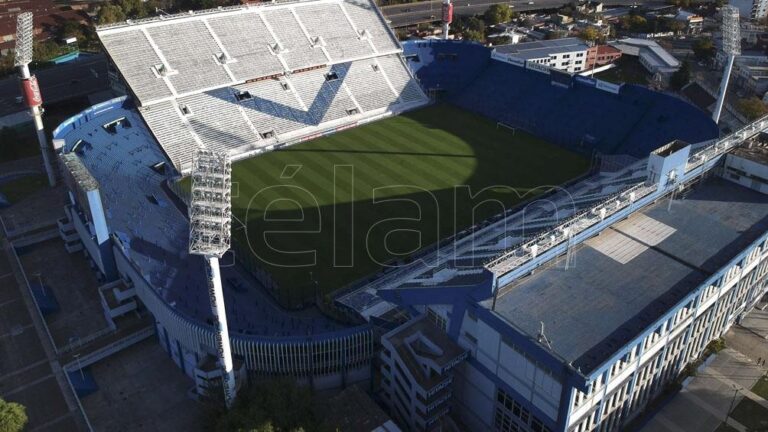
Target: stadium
(459,227)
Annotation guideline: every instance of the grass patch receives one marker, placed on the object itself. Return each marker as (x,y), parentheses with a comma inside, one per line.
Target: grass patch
(726,428)
(761,387)
(326,213)
(16,190)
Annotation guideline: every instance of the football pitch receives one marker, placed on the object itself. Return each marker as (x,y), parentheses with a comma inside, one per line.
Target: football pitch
(320,215)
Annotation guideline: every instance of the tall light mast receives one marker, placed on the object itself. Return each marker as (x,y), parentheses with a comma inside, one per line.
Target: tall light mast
(447,17)
(732,48)
(31,91)
(210,220)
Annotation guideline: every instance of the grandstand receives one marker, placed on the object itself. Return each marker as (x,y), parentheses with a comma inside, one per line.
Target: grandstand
(592,116)
(257,78)
(260,78)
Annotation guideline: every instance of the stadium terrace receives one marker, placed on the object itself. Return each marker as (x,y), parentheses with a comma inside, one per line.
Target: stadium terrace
(540,318)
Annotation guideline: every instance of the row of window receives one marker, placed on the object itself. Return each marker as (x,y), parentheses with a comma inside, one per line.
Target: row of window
(511,416)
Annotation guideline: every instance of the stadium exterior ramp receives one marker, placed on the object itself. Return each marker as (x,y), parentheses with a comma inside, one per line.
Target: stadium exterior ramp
(132,229)
(579,308)
(248,79)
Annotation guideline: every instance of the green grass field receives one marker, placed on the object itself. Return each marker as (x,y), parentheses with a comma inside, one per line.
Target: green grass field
(326,213)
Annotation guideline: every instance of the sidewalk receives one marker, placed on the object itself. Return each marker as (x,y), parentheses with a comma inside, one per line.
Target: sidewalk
(702,405)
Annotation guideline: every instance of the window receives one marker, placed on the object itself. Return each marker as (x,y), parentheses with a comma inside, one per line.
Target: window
(243,96)
(470,338)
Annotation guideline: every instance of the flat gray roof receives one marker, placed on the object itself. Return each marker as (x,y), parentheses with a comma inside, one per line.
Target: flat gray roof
(540,49)
(620,282)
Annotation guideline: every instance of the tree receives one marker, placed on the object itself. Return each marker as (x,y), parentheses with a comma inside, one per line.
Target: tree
(275,405)
(473,35)
(752,108)
(110,14)
(681,77)
(704,49)
(634,23)
(590,34)
(13,416)
(498,13)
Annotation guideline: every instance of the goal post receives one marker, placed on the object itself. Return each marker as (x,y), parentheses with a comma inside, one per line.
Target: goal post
(504,125)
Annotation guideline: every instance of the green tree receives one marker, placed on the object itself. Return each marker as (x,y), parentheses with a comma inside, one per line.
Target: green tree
(634,23)
(590,34)
(71,28)
(133,9)
(275,405)
(473,35)
(752,108)
(13,416)
(44,51)
(110,13)
(681,77)
(498,13)
(704,49)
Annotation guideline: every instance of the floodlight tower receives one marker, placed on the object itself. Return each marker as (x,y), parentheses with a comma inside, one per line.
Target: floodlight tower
(732,48)
(447,17)
(210,219)
(31,91)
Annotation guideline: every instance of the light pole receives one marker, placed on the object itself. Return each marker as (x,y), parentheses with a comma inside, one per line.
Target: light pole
(732,48)
(210,226)
(30,89)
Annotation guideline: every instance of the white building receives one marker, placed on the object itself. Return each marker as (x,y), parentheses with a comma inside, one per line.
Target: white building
(568,54)
(751,9)
(652,56)
(417,360)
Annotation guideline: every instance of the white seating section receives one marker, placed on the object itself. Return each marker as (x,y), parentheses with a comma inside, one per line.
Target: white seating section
(134,57)
(244,79)
(247,39)
(340,39)
(366,18)
(191,55)
(279,110)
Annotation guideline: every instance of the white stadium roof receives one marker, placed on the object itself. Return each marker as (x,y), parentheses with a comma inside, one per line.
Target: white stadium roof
(247,78)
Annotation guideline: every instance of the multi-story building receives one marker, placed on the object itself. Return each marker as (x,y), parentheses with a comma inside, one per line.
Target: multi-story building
(582,326)
(601,55)
(567,54)
(417,360)
(652,56)
(751,9)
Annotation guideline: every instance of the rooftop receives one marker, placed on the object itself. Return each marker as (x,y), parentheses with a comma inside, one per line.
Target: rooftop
(633,272)
(420,338)
(757,152)
(544,48)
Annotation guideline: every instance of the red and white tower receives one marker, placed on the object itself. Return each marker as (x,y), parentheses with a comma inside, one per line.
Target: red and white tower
(29,88)
(447,17)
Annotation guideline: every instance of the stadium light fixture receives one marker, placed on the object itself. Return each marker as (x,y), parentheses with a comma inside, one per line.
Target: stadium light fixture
(24,33)
(731,48)
(31,91)
(210,219)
